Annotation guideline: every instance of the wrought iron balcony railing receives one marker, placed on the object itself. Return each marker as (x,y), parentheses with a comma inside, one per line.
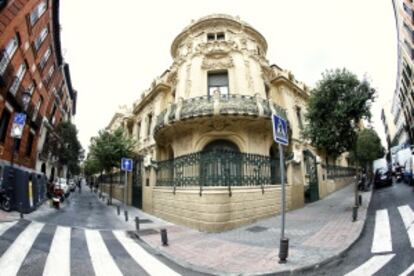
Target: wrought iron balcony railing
(233,104)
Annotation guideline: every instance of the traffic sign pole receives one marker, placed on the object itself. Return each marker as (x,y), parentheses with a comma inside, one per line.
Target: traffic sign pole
(281,137)
(283,191)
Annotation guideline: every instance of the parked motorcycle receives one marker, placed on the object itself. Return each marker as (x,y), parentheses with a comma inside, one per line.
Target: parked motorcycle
(399,175)
(5,199)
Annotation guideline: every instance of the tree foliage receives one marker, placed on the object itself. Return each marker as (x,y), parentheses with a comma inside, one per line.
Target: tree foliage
(66,146)
(107,149)
(368,147)
(338,102)
(91,166)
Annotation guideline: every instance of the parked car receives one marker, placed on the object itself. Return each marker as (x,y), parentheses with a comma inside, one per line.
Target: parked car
(382,177)
(72,185)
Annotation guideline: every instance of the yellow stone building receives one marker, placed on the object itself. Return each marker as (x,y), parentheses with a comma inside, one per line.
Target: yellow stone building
(204,132)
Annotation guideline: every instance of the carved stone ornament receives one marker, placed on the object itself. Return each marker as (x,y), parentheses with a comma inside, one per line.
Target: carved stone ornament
(218,124)
(217,62)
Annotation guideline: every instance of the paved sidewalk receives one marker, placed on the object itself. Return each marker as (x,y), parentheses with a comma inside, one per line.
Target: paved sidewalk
(317,233)
(147,221)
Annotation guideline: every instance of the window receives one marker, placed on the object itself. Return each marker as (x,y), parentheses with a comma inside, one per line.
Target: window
(215,36)
(299,116)
(218,81)
(45,58)
(138,130)
(31,87)
(49,75)
(220,36)
(42,36)
(38,11)
(8,53)
(149,124)
(4,123)
(52,115)
(18,78)
(29,146)
(37,108)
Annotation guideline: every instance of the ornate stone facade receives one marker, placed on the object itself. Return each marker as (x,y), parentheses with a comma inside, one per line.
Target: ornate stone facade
(207,120)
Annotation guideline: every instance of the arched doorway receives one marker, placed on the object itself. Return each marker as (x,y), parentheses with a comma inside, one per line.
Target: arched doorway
(43,168)
(220,164)
(52,174)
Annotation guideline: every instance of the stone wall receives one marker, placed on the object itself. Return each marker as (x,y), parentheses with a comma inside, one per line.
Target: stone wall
(215,210)
(117,190)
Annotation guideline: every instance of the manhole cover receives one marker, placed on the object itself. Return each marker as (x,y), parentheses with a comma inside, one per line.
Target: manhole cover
(256,229)
(145,221)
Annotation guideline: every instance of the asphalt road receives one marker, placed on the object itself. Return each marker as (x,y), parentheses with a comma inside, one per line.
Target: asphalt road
(392,253)
(84,237)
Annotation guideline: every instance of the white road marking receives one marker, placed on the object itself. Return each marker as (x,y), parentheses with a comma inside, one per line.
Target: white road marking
(58,260)
(407,216)
(102,261)
(371,266)
(408,271)
(382,241)
(148,262)
(6,226)
(13,258)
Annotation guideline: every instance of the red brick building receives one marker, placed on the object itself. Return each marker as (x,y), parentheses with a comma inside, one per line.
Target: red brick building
(31,61)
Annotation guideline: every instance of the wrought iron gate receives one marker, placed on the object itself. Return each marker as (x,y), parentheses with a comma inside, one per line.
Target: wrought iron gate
(312,194)
(137,183)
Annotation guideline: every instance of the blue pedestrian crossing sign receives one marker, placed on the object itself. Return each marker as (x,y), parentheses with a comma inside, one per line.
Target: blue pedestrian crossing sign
(19,121)
(126,164)
(280,133)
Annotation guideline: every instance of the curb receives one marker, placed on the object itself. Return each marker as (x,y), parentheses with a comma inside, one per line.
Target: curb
(295,271)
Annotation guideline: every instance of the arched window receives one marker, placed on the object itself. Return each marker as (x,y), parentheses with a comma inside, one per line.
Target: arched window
(220,164)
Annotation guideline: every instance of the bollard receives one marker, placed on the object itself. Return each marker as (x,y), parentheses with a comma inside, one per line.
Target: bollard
(137,223)
(360,200)
(164,237)
(284,250)
(108,202)
(126,215)
(21,210)
(354,213)
(118,209)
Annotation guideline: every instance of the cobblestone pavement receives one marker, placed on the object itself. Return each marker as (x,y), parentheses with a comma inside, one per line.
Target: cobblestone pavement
(319,232)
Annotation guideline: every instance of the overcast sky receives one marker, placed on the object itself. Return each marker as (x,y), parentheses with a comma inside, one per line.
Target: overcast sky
(116,48)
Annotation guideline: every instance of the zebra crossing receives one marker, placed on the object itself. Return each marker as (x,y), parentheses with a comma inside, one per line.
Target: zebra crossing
(106,252)
(381,248)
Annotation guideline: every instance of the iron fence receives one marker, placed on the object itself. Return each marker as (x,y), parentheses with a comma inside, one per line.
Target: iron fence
(338,171)
(116,178)
(218,168)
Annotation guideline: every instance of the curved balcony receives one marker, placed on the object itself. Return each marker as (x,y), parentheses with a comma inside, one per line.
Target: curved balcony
(217,105)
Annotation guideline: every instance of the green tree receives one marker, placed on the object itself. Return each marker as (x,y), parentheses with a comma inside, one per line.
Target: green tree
(66,146)
(336,105)
(108,148)
(368,148)
(91,166)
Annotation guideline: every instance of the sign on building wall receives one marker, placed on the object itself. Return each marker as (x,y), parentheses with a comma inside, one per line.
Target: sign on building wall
(18,125)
